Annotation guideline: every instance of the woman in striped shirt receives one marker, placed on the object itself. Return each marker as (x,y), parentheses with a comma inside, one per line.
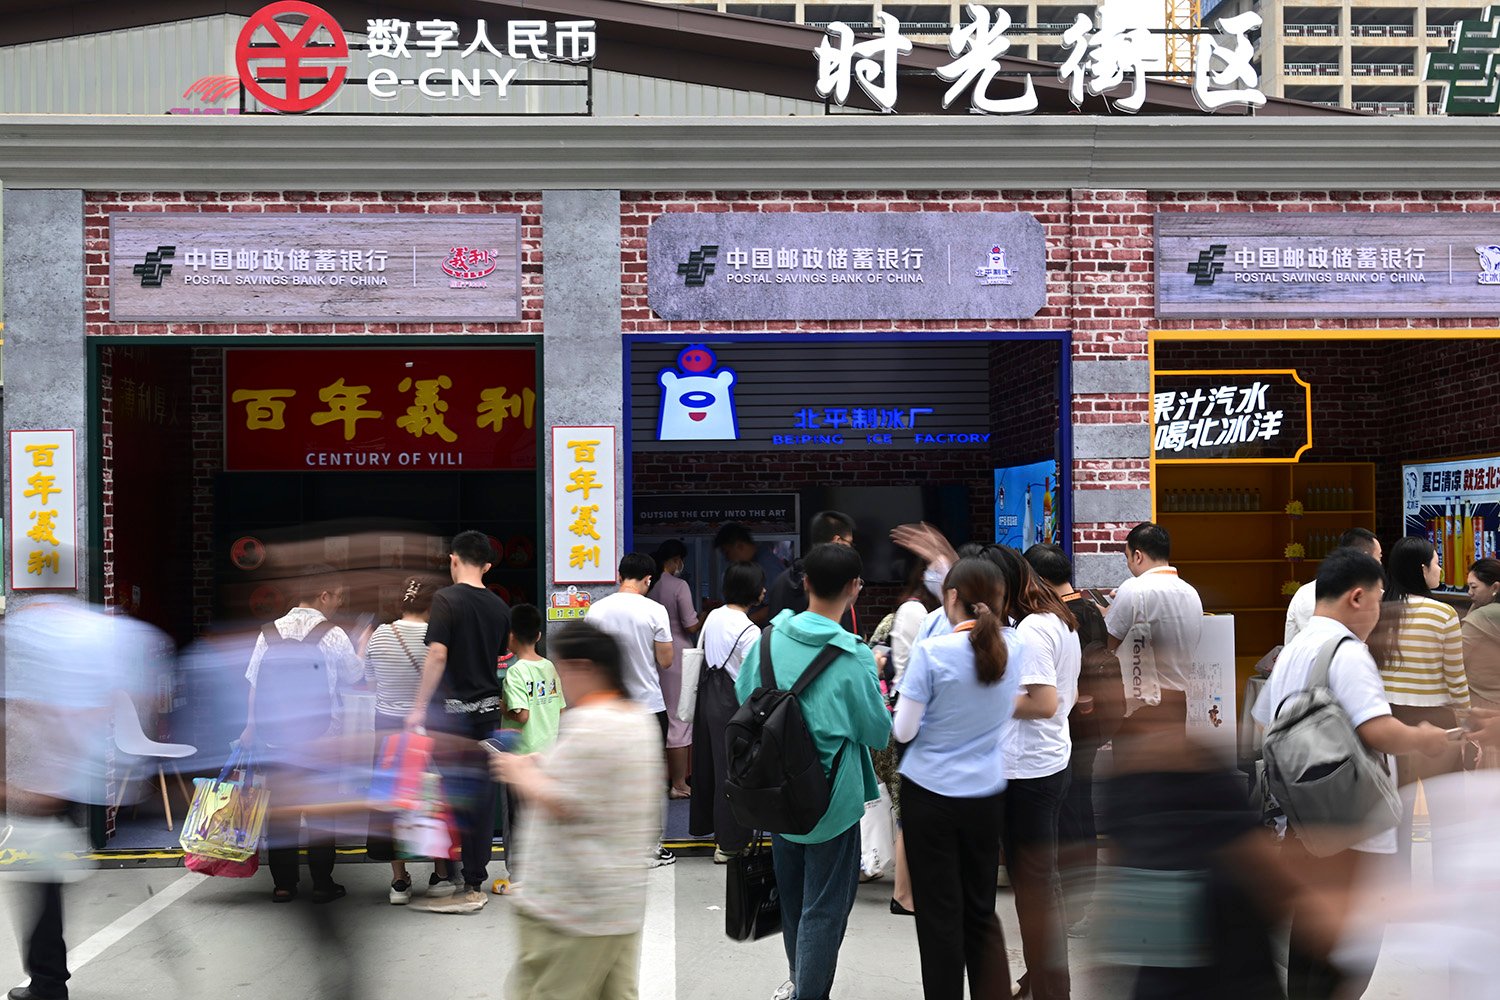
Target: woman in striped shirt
(1419,646)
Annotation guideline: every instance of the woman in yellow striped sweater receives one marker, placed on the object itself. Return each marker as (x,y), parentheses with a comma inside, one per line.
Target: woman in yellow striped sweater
(1419,646)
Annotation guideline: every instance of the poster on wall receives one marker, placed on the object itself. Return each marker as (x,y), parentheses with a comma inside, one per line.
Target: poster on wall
(379,410)
(584,501)
(1211,682)
(43,511)
(1026,505)
(1455,505)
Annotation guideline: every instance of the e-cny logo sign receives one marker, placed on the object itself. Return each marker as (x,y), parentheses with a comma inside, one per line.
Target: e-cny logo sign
(291,73)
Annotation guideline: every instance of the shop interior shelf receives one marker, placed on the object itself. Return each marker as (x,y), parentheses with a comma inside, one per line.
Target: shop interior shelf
(1233,562)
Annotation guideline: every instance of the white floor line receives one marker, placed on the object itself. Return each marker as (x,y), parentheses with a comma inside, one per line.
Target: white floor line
(659,937)
(95,946)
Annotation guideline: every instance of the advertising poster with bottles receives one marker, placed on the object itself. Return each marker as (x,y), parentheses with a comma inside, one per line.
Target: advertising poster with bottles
(1456,506)
(1026,505)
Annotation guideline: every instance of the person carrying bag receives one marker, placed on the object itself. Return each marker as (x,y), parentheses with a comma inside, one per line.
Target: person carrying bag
(222,832)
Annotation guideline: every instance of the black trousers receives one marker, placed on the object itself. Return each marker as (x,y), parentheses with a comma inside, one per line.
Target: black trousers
(1078,832)
(709,810)
(465,768)
(1032,810)
(290,787)
(953,854)
(46,952)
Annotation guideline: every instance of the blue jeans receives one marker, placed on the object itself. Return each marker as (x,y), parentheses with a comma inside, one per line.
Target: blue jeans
(817,883)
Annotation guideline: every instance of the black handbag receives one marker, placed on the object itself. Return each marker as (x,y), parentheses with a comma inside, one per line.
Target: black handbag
(752,906)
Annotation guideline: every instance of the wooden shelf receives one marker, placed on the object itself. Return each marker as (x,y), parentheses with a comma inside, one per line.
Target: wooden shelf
(1222,513)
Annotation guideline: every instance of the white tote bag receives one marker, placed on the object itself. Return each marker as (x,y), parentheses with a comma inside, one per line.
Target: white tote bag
(877,835)
(1138,668)
(692,669)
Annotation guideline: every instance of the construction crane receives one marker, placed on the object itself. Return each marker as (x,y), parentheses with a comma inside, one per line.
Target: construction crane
(1184,17)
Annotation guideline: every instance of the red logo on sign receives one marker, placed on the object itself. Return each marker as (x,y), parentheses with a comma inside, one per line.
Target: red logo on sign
(291,61)
(467,264)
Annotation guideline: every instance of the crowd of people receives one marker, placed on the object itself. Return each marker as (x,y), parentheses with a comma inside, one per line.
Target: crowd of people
(982,705)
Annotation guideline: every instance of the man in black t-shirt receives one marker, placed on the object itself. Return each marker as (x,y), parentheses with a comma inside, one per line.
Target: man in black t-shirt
(788,589)
(468,631)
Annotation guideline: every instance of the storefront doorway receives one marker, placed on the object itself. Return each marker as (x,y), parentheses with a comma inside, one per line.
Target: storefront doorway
(224,469)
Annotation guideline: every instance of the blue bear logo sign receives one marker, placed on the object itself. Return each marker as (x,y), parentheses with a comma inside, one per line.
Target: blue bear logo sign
(697,402)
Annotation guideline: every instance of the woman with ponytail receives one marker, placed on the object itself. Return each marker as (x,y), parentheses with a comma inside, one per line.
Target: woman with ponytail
(958,696)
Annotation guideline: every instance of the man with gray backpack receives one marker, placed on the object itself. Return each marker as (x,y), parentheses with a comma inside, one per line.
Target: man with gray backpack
(1329,730)
(798,754)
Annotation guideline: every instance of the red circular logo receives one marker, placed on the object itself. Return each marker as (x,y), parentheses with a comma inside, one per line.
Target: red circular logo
(294,62)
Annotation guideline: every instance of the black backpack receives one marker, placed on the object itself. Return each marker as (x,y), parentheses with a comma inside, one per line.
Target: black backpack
(776,782)
(293,705)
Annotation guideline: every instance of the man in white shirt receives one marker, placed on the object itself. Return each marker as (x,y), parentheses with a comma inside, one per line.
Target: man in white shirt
(1302,608)
(644,633)
(1168,607)
(1349,589)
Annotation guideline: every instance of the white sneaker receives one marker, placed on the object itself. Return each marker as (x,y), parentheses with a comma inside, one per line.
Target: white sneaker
(721,858)
(786,991)
(661,857)
(400,892)
(1003,879)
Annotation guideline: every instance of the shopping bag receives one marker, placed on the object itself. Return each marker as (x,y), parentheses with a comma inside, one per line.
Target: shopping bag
(228,813)
(1138,668)
(877,835)
(221,868)
(429,831)
(396,783)
(692,669)
(752,906)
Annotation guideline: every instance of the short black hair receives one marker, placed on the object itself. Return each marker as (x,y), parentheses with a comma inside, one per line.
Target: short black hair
(1362,539)
(827,525)
(1051,563)
(1150,538)
(743,583)
(526,623)
(473,548)
(636,566)
(1344,569)
(732,534)
(315,581)
(591,644)
(829,568)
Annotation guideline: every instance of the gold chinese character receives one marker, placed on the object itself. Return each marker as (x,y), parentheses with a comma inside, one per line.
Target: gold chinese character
(41,454)
(344,402)
(584,480)
(38,562)
(264,408)
(495,405)
(425,415)
(583,451)
(587,525)
(41,486)
(582,554)
(45,527)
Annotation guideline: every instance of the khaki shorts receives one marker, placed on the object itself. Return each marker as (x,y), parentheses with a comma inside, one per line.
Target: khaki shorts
(558,966)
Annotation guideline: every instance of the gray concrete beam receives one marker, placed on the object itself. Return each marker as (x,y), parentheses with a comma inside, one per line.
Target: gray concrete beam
(1096,441)
(1109,506)
(1098,377)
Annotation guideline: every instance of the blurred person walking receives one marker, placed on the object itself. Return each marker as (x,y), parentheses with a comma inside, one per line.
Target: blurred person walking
(1350,587)
(644,632)
(468,630)
(728,633)
(393,664)
(957,698)
(817,873)
(1091,722)
(66,663)
(592,799)
(1481,637)
(289,722)
(1037,752)
(672,592)
(534,703)
(1419,646)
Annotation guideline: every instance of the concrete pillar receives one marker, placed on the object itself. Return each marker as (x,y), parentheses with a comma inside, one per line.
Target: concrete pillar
(582,355)
(1108,441)
(45,363)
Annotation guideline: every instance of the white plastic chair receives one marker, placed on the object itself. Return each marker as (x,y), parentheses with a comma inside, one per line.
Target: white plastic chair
(132,741)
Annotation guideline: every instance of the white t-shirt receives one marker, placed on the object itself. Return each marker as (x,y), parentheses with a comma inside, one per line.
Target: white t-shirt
(1304,605)
(637,623)
(727,634)
(1352,677)
(1175,612)
(904,631)
(1037,748)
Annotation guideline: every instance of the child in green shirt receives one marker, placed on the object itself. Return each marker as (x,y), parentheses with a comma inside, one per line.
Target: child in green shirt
(533,703)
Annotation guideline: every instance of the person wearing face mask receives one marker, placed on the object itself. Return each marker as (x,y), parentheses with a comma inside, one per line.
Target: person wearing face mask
(1419,647)
(1481,635)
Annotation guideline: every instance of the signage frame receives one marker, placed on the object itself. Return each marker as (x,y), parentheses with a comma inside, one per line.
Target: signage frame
(609,544)
(1296,377)
(69,569)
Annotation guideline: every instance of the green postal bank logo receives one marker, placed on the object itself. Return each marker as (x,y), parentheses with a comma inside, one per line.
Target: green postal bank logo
(1470,70)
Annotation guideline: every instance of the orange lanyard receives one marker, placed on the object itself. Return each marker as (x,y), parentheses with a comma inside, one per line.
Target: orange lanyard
(967,626)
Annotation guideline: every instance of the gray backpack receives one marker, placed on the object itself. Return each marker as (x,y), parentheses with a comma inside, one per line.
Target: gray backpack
(1333,789)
